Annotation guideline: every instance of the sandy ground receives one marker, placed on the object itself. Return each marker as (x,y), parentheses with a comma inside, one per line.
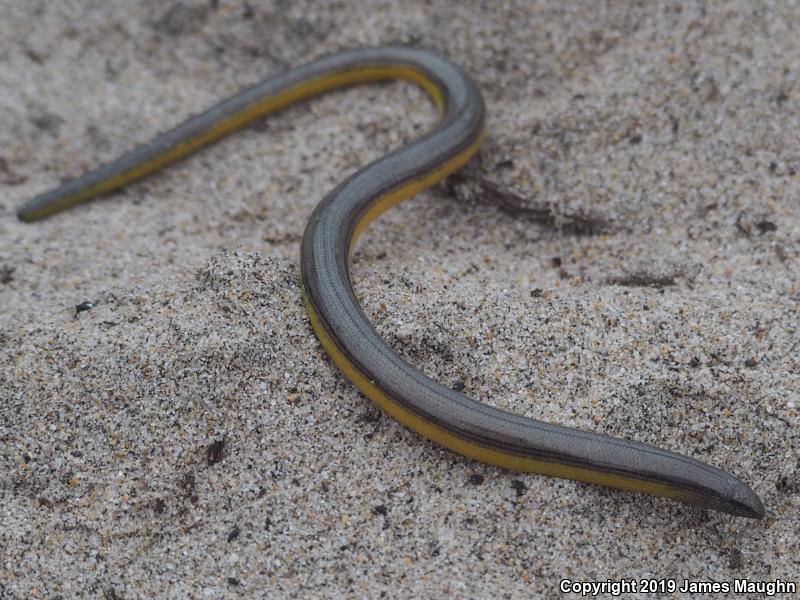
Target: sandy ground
(188,438)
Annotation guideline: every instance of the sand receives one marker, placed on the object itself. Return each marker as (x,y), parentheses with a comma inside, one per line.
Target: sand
(186,437)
